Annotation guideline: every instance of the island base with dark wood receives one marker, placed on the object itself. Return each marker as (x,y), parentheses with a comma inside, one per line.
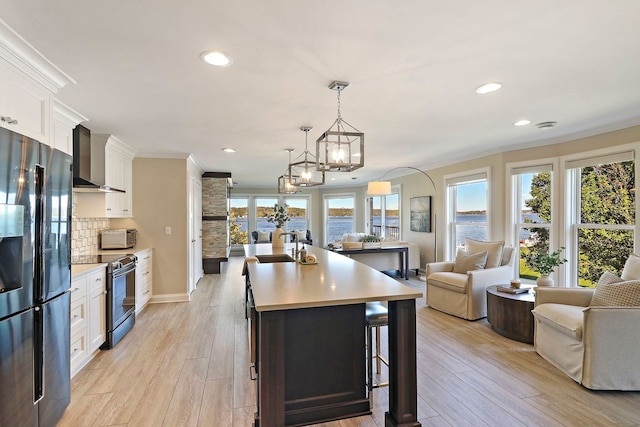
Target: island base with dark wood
(314,359)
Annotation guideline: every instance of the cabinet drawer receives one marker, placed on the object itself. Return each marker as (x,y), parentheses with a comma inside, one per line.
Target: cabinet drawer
(78,352)
(97,282)
(78,317)
(78,289)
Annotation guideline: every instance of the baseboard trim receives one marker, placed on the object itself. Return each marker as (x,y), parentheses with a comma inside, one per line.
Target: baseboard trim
(161,299)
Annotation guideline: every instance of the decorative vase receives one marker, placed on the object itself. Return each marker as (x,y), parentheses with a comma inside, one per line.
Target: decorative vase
(370,245)
(276,240)
(544,280)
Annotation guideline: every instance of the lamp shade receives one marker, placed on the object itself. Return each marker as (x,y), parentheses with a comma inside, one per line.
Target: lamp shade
(379,188)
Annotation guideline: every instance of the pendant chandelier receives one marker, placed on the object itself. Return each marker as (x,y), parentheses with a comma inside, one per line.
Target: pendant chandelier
(341,147)
(286,181)
(305,166)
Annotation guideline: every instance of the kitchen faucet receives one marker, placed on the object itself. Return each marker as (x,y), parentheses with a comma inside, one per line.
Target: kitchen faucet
(293,235)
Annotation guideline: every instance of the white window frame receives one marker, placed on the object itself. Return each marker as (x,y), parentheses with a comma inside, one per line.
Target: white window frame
(514,187)
(325,211)
(571,164)
(246,197)
(304,197)
(451,181)
(395,189)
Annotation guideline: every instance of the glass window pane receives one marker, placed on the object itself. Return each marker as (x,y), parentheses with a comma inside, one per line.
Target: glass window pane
(264,208)
(340,219)
(239,221)
(602,250)
(376,215)
(297,210)
(392,216)
(535,191)
(607,194)
(475,232)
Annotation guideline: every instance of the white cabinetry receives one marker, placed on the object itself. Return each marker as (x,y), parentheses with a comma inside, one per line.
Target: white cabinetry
(96,306)
(25,106)
(118,164)
(144,278)
(118,168)
(88,316)
(79,353)
(64,121)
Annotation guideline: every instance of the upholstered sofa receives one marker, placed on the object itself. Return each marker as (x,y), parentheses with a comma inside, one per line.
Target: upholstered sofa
(597,346)
(265,237)
(462,292)
(383,261)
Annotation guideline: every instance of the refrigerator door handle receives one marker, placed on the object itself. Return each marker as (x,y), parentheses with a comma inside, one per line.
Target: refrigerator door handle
(38,277)
(38,354)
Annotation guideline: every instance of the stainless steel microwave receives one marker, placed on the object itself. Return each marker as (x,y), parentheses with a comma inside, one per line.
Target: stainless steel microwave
(118,239)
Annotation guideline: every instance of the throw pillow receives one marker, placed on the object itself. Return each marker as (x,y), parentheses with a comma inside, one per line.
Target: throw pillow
(263,237)
(465,262)
(617,294)
(301,235)
(608,278)
(493,249)
(631,270)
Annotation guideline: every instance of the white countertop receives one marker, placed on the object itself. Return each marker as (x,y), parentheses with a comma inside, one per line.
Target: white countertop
(335,280)
(80,269)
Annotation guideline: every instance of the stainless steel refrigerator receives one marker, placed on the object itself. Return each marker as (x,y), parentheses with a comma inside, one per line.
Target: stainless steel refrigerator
(35,278)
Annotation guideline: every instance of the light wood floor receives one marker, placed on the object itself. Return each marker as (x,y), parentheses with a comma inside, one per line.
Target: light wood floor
(186,364)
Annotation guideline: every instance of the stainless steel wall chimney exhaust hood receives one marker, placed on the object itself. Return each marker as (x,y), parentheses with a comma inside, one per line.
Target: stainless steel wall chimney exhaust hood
(83,180)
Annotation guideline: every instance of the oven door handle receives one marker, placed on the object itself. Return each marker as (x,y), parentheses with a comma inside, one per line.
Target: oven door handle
(124,271)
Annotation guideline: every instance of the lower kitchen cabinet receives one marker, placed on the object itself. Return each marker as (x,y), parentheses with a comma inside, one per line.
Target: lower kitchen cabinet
(88,316)
(144,278)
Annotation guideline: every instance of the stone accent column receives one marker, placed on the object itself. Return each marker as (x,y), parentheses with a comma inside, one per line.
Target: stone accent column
(215,220)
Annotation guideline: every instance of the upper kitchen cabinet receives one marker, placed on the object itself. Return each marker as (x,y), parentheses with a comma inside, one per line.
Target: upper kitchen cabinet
(28,82)
(64,121)
(24,106)
(118,165)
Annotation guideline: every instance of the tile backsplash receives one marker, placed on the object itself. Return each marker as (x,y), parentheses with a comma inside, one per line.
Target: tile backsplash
(84,234)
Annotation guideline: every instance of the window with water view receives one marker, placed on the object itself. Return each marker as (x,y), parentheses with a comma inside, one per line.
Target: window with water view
(339,216)
(467,207)
(384,216)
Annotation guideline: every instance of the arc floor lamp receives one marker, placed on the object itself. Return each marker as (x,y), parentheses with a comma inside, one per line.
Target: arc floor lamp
(383,188)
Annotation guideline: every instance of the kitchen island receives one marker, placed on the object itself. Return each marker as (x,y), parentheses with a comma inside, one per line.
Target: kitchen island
(310,339)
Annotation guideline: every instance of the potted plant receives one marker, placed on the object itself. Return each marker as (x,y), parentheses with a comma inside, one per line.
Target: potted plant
(370,241)
(545,264)
(279,217)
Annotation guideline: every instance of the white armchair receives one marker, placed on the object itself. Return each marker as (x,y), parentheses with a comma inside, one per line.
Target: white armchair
(464,294)
(596,346)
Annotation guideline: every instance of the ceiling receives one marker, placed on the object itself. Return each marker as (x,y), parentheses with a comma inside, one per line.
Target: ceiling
(413,67)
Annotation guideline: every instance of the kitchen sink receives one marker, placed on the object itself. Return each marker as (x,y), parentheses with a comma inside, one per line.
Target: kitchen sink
(274,258)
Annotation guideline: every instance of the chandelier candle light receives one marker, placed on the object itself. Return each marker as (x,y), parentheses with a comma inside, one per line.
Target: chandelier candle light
(305,170)
(383,188)
(341,147)
(286,181)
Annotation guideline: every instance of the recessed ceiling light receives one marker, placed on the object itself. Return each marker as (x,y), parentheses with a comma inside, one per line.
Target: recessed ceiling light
(217,58)
(546,125)
(489,87)
(229,150)
(522,122)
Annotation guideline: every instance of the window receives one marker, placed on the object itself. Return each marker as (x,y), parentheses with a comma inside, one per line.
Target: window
(264,209)
(603,218)
(384,215)
(532,214)
(466,210)
(239,220)
(339,214)
(298,211)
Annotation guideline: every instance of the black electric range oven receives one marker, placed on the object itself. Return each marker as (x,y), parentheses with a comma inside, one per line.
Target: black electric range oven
(121,293)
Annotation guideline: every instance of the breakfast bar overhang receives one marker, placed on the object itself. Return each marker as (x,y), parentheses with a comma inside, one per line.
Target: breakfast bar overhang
(310,339)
